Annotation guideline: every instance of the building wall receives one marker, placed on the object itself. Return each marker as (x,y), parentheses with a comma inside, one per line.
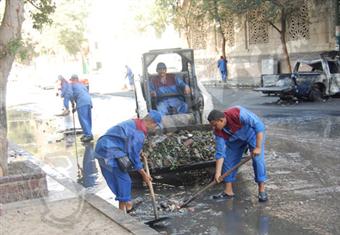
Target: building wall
(252,42)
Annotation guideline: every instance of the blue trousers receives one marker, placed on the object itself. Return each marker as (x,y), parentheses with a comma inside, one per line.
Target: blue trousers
(85,119)
(233,156)
(223,75)
(118,181)
(179,105)
(66,102)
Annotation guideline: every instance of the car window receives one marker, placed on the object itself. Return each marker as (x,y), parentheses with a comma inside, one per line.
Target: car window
(316,67)
(172,61)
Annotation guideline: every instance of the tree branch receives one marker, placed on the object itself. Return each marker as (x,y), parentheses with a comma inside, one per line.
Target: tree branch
(33,4)
(274,26)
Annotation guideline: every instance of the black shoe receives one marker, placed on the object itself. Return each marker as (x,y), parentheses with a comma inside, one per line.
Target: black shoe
(135,204)
(223,195)
(87,139)
(263,196)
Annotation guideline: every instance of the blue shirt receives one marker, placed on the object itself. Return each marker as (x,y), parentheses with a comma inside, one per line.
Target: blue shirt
(124,139)
(240,130)
(81,95)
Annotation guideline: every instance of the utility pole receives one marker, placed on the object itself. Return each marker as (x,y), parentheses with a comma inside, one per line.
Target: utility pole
(337,27)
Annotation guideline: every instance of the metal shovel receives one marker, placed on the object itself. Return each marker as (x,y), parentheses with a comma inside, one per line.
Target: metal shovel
(214,182)
(157,218)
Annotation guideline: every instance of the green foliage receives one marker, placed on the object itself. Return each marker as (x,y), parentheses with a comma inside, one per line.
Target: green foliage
(41,12)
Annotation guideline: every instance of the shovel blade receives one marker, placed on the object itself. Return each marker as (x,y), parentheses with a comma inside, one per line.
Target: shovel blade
(156,221)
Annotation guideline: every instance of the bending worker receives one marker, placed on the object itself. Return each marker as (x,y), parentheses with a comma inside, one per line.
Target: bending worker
(124,141)
(167,84)
(65,93)
(83,102)
(235,130)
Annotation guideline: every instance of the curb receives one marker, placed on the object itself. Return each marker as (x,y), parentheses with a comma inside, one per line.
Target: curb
(124,220)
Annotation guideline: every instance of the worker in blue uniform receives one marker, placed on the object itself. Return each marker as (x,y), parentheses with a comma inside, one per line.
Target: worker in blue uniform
(65,91)
(237,129)
(125,139)
(82,99)
(164,87)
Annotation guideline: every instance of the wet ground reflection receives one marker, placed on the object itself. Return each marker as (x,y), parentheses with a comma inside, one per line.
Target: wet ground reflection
(294,148)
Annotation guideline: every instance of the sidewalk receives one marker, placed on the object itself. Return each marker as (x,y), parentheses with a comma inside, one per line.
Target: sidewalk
(69,208)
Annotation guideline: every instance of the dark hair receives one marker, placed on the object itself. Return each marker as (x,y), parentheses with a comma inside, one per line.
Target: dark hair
(215,115)
(160,66)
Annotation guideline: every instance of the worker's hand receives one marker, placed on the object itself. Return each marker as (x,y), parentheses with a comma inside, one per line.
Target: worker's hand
(74,110)
(153,94)
(187,90)
(256,151)
(57,94)
(147,179)
(217,177)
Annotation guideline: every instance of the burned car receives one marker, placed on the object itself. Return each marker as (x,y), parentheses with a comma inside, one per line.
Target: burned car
(311,79)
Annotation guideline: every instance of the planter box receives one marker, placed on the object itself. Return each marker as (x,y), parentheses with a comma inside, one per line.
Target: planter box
(24,181)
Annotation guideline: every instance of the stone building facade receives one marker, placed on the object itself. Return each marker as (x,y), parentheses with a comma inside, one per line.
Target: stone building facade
(254,47)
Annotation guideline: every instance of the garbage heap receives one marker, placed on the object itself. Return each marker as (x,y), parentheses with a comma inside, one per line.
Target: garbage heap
(180,148)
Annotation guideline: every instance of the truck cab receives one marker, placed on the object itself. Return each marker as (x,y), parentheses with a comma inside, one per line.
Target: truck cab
(180,64)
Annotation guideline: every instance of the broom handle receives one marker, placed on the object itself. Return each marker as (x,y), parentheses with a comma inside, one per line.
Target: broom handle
(151,188)
(246,159)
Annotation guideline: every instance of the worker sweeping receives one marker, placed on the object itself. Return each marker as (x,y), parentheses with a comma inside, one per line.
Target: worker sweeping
(119,149)
(235,130)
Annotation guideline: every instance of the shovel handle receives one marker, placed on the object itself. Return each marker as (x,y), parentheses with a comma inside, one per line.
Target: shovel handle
(195,195)
(151,188)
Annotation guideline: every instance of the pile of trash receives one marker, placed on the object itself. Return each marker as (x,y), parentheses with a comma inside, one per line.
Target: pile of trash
(182,148)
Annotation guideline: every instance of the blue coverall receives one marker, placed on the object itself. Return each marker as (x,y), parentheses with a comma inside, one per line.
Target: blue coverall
(172,86)
(222,66)
(124,139)
(238,134)
(84,105)
(66,93)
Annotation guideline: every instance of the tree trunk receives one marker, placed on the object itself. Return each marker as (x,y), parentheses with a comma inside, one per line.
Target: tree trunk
(10,31)
(283,39)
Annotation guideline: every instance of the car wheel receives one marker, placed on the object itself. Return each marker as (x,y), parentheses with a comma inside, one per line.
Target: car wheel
(315,94)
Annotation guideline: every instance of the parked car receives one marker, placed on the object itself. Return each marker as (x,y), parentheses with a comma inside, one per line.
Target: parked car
(311,79)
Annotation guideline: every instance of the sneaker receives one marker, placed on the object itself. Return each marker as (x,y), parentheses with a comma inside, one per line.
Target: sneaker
(223,195)
(87,138)
(263,196)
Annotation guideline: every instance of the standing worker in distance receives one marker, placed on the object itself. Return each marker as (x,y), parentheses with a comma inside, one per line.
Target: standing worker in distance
(237,129)
(125,140)
(222,66)
(129,74)
(66,93)
(83,103)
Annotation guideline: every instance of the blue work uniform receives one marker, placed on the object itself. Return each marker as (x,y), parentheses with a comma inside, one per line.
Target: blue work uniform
(173,85)
(238,134)
(84,105)
(222,66)
(124,139)
(129,75)
(66,93)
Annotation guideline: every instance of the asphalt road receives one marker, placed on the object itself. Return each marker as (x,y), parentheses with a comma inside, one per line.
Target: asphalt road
(302,156)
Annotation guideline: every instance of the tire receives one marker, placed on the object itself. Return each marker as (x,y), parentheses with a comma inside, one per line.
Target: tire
(315,94)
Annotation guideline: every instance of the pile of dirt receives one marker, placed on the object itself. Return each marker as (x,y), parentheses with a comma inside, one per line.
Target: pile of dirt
(181,148)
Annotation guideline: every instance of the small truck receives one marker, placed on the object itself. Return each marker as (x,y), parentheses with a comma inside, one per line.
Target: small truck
(312,80)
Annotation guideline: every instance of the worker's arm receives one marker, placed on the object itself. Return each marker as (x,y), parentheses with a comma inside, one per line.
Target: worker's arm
(257,150)
(145,176)
(219,155)
(218,171)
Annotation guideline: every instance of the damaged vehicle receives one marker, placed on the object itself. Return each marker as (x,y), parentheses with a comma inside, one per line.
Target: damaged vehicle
(312,80)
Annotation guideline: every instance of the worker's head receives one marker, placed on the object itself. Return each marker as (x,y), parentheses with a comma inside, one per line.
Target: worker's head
(217,119)
(74,78)
(153,119)
(161,67)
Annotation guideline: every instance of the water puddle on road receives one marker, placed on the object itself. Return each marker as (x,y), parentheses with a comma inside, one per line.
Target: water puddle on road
(288,151)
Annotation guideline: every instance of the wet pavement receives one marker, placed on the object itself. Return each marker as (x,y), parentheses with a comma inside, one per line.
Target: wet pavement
(302,156)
